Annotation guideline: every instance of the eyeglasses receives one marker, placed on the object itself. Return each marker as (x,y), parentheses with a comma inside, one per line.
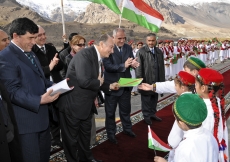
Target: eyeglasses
(80,45)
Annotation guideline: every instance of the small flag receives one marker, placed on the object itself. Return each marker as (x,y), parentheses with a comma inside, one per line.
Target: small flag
(154,142)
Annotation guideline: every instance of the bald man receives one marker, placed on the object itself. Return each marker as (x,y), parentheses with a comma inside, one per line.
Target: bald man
(4,40)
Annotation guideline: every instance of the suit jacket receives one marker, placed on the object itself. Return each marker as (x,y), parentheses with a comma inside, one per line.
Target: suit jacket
(25,85)
(68,58)
(83,72)
(62,56)
(8,131)
(45,60)
(151,68)
(115,67)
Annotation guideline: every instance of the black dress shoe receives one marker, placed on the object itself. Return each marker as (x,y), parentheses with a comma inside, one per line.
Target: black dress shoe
(94,160)
(112,139)
(131,134)
(57,143)
(148,121)
(154,117)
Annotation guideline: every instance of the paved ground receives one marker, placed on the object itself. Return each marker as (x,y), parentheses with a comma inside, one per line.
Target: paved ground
(136,105)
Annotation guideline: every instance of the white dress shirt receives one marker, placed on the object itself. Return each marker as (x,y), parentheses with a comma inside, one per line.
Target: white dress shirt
(198,145)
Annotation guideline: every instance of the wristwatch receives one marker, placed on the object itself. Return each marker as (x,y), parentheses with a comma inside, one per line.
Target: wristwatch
(154,87)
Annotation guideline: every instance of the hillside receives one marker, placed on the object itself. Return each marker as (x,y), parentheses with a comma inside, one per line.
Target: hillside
(200,20)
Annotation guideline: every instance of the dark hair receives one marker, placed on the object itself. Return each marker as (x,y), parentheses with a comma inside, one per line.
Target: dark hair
(178,119)
(103,38)
(71,36)
(51,44)
(151,35)
(191,88)
(222,103)
(190,66)
(212,96)
(22,25)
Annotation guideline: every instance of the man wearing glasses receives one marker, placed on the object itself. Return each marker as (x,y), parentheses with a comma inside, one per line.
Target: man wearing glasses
(117,66)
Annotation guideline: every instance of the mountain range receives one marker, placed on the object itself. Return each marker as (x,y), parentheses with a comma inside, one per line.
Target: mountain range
(191,19)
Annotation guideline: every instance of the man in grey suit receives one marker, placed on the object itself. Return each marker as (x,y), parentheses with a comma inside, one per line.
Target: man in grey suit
(117,66)
(23,77)
(77,106)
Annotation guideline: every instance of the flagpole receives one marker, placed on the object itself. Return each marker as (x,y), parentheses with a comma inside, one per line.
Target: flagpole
(120,22)
(152,141)
(155,151)
(121,3)
(62,15)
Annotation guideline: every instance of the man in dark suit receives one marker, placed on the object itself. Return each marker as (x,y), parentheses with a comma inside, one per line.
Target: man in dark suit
(77,106)
(48,58)
(152,70)
(117,66)
(23,77)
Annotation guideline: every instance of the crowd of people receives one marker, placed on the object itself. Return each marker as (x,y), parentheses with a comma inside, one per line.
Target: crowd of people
(31,119)
(177,52)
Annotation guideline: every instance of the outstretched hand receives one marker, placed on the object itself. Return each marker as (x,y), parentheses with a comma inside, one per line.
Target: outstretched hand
(145,87)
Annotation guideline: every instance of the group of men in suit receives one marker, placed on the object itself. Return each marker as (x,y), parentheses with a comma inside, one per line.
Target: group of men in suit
(26,71)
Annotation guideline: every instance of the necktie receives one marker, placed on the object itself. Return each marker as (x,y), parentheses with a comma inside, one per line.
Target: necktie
(152,50)
(120,50)
(31,58)
(43,50)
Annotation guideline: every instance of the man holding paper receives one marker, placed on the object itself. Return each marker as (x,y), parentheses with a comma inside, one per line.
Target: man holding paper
(77,106)
(23,77)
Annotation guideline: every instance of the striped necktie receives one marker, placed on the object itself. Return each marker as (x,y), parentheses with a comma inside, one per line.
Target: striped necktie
(31,58)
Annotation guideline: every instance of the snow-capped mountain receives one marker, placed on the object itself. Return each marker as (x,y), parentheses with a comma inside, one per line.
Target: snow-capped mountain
(194,2)
(50,9)
(77,10)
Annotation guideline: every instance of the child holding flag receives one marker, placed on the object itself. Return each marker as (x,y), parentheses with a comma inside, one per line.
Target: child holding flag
(198,144)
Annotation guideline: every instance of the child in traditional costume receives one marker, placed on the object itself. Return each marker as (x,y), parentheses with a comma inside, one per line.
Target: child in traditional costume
(198,144)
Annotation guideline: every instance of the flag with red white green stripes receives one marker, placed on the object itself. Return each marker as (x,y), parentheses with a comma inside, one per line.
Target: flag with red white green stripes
(111,4)
(141,13)
(154,142)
